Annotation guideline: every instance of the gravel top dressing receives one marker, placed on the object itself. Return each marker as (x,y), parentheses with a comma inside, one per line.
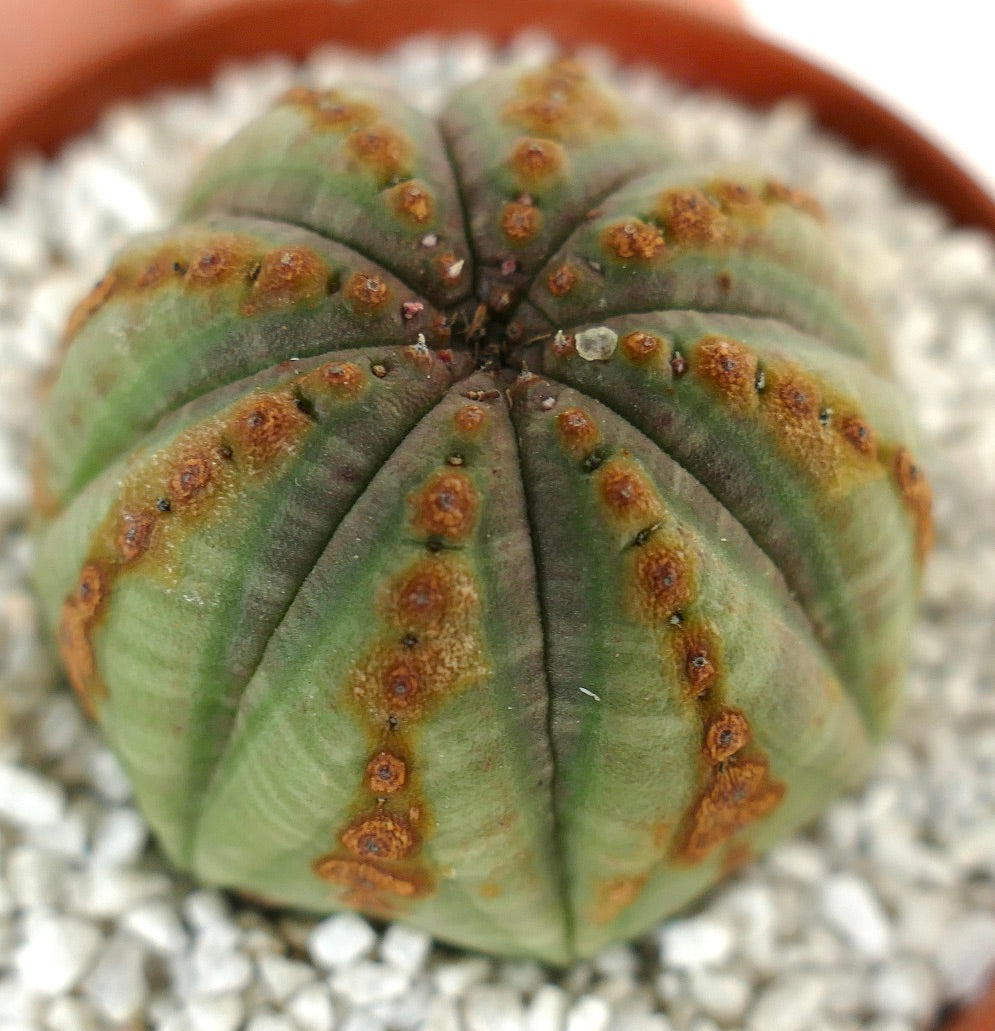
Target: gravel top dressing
(879,918)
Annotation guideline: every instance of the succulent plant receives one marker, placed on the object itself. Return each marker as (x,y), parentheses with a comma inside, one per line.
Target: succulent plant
(488,522)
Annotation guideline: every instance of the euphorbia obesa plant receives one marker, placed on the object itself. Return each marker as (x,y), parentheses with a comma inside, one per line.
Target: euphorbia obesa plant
(487,521)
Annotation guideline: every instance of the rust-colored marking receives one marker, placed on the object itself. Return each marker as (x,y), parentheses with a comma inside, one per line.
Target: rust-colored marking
(519,222)
(737,793)
(412,201)
(91,304)
(342,378)
(699,659)
(135,534)
(739,200)
(730,368)
(918,497)
(80,611)
(383,150)
(578,434)
(791,407)
(639,346)
(614,895)
(563,345)
(859,435)
(425,596)
(691,218)
(366,292)
(265,426)
(386,773)
(446,506)
(779,193)
(490,890)
(219,261)
(561,280)
(469,419)
(561,101)
(727,732)
(192,474)
(330,109)
(724,281)
(367,880)
(164,266)
(664,579)
(288,276)
(630,499)
(633,239)
(535,162)
(380,835)
(736,855)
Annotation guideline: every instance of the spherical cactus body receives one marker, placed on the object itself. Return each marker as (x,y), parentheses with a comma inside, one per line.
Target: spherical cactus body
(484,521)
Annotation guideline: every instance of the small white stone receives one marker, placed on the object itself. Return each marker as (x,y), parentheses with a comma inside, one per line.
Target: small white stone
(69,1014)
(492,1007)
(116,985)
(903,988)
(34,877)
(27,799)
(107,777)
(455,977)
(405,948)
(103,893)
(788,1004)
(596,344)
(850,907)
(700,941)
(119,837)
(443,1015)
(219,971)
(366,982)
(359,1020)
(340,940)
(56,953)
(205,910)
(216,1013)
(966,955)
(269,1020)
(158,925)
(615,961)
(800,860)
(548,1009)
(18,1005)
(721,995)
(311,1007)
(281,977)
(67,837)
(589,1013)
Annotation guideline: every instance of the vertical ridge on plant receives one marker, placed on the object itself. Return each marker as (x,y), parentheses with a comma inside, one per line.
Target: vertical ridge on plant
(487,521)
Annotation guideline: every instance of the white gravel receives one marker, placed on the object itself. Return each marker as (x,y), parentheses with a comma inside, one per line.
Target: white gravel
(883,914)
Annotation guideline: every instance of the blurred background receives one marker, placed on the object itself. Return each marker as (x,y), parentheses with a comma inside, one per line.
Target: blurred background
(931,62)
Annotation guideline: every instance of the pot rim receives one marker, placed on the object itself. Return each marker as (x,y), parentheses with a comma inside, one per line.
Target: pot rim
(699,51)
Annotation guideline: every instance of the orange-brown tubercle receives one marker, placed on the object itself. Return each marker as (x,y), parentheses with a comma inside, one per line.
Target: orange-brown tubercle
(445,507)
(633,239)
(383,150)
(917,494)
(729,367)
(577,432)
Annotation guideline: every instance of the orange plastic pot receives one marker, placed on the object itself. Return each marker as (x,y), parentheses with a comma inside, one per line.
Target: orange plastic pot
(62,62)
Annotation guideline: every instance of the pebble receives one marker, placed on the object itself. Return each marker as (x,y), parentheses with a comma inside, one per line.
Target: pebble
(281,977)
(119,838)
(311,1007)
(405,948)
(850,907)
(366,981)
(116,985)
(548,1009)
(27,799)
(788,1004)
(56,952)
(158,925)
(341,940)
(492,1007)
(698,942)
(589,1013)
(721,995)
(217,1013)
(966,955)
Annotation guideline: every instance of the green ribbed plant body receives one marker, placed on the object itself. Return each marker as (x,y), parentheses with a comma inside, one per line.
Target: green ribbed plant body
(487,522)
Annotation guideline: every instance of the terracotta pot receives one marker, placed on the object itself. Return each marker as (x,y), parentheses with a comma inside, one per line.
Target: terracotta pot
(62,63)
